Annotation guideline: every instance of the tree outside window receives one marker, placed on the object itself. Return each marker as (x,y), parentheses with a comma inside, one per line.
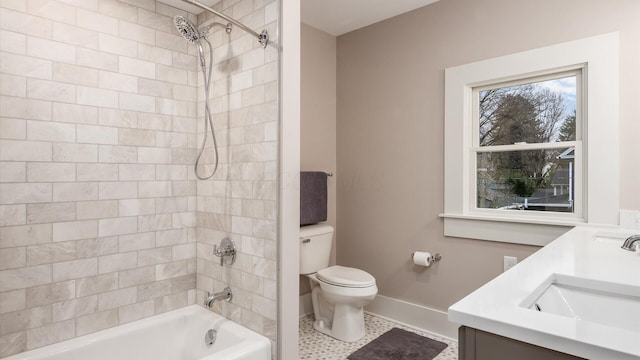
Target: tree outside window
(510,177)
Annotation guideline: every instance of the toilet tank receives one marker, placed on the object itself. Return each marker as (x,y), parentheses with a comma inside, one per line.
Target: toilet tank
(315,247)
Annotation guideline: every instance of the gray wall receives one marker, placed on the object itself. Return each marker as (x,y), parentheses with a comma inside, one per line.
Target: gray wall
(390,131)
(318,115)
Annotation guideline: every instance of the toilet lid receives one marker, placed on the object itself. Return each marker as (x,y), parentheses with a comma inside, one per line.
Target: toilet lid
(346,276)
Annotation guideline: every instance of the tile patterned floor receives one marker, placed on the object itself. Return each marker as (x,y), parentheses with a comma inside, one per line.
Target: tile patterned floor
(314,345)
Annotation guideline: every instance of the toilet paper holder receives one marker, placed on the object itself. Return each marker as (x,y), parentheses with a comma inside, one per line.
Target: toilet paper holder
(435,257)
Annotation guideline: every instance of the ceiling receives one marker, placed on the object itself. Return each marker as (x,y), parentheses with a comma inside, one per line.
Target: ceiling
(338,17)
(335,17)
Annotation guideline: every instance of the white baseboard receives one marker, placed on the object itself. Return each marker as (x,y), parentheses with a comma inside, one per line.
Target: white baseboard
(413,315)
(408,314)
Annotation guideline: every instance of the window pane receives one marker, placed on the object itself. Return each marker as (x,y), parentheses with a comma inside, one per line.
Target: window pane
(537,112)
(532,180)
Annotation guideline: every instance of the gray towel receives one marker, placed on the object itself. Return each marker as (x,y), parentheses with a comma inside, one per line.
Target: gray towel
(313,197)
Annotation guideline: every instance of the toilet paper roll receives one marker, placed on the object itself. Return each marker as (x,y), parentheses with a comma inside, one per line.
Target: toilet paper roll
(422,258)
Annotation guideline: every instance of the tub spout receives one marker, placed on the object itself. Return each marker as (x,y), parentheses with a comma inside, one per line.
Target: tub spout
(222,295)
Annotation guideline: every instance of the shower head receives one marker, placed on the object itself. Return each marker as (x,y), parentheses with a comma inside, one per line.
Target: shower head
(187,29)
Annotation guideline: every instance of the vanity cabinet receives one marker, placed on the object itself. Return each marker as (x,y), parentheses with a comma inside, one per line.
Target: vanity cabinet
(474,344)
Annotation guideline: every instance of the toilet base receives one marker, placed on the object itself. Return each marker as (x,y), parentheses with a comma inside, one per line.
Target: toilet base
(347,324)
(339,317)
(338,310)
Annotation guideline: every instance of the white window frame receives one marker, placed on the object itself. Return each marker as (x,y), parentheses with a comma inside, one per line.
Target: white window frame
(598,59)
(475,148)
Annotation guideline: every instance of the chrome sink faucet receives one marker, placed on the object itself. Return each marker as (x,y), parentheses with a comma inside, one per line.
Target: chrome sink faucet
(222,295)
(631,242)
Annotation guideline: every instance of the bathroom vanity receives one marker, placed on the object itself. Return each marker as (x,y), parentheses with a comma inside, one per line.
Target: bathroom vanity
(578,297)
(481,345)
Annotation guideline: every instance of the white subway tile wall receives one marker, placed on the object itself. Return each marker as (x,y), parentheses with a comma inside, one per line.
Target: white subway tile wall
(102,221)
(97,198)
(240,201)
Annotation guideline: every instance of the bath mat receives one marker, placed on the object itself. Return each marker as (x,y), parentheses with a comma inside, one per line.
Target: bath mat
(399,344)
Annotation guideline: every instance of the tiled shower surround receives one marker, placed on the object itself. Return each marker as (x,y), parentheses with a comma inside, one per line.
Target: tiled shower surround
(102,221)
(240,200)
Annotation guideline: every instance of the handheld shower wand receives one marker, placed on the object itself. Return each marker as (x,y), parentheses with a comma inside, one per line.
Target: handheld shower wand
(190,32)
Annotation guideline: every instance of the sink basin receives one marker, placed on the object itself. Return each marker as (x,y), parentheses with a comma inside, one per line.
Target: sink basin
(600,302)
(611,237)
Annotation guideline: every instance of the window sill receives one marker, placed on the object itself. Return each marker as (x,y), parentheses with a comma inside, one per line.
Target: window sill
(520,230)
(517,219)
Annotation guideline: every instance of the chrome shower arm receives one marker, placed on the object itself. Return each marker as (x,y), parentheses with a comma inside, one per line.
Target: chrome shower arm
(263,37)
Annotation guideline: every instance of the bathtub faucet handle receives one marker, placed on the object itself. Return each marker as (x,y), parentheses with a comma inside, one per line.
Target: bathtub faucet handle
(226,248)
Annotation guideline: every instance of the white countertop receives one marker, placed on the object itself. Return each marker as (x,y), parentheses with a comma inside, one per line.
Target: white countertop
(496,306)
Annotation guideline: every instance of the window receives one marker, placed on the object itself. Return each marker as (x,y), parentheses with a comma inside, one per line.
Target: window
(531,142)
(524,145)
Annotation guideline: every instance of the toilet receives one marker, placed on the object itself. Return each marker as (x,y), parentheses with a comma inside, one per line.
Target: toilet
(338,293)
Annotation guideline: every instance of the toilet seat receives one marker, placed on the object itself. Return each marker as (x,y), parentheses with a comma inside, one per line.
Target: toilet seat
(346,277)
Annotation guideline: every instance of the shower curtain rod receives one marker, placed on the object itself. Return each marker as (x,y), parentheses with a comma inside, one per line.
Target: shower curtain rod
(263,37)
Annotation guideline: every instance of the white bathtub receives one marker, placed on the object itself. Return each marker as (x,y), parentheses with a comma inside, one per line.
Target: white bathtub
(176,335)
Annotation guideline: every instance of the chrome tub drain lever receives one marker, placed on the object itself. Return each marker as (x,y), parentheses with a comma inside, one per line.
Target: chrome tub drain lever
(210,337)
